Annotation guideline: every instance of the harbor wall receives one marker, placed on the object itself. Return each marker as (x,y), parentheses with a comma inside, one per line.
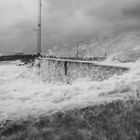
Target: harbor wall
(55,70)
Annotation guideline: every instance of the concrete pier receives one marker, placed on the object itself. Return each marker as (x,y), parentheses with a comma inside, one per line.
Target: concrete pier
(58,70)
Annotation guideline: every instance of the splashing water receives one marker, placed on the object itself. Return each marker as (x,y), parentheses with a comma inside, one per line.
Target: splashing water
(23,93)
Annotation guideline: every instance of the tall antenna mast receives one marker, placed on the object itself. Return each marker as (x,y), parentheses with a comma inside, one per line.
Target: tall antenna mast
(39,28)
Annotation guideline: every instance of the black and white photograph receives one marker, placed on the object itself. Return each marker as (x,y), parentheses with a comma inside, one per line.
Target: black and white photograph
(69,69)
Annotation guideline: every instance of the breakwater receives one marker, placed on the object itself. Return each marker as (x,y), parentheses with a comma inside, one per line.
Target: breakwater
(59,70)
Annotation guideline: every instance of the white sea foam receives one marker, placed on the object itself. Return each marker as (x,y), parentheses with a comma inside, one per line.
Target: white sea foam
(23,93)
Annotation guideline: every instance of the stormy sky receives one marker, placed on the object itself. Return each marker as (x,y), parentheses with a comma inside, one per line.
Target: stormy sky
(64,21)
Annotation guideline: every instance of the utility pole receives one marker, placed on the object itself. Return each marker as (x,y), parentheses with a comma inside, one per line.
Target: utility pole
(39,28)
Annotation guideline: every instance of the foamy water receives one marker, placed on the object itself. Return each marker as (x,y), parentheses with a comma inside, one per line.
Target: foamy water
(23,93)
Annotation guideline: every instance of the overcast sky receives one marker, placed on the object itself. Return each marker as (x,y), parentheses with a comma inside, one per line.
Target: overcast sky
(63,21)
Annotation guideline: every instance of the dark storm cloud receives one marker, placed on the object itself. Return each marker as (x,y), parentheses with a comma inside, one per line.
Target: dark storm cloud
(63,21)
(131,16)
(132,10)
(17,20)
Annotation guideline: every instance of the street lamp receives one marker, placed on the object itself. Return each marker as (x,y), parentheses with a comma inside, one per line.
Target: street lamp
(78,48)
(39,28)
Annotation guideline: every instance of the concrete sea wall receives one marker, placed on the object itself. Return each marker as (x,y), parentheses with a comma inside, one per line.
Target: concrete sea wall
(55,70)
